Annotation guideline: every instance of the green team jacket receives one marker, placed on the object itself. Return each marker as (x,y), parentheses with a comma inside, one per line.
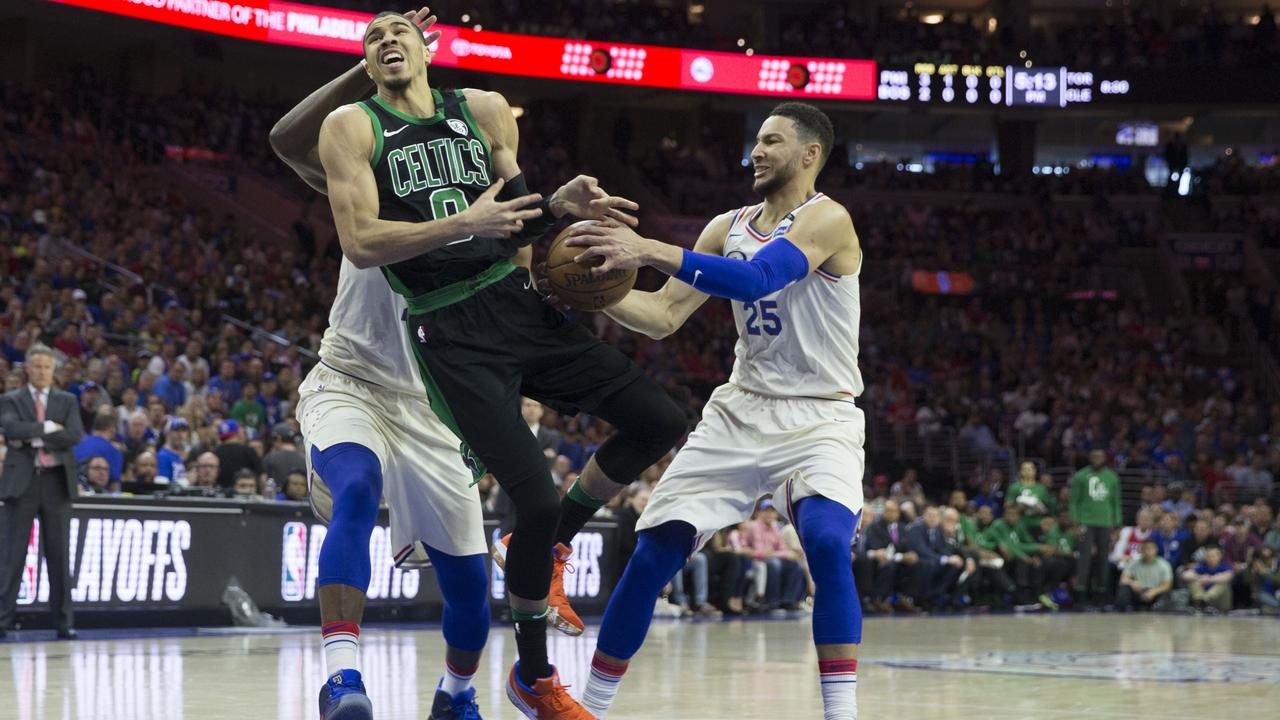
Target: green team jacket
(968,530)
(1095,497)
(1062,541)
(1036,490)
(1016,539)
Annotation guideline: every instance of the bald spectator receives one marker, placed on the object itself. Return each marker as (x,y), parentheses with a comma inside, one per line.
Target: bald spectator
(144,480)
(206,471)
(97,444)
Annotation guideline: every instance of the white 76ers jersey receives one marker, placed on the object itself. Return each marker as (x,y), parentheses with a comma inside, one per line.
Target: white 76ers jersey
(801,341)
(366,337)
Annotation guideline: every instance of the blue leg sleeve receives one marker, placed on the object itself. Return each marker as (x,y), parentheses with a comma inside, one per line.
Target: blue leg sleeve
(354,477)
(826,531)
(464,582)
(660,554)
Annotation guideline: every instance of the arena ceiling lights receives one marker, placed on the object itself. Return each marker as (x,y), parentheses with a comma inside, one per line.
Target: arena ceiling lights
(309,26)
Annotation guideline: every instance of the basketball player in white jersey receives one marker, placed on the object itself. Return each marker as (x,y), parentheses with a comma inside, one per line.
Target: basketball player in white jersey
(370,431)
(785,424)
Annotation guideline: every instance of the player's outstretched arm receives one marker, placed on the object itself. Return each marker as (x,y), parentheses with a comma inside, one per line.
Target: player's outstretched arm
(346,144)
(658,314)
(295,138)
(817,237)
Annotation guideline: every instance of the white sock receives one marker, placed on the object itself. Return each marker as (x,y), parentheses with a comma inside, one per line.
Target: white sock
(602,686)
(839,689)
(455,681)
(341,646)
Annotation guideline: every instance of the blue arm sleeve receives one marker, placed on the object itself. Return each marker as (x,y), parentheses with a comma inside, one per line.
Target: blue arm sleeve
(776,265)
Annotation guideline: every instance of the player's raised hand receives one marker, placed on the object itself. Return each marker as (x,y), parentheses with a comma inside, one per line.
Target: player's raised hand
(619,246)
(583,197)
(424,20)
(493,218)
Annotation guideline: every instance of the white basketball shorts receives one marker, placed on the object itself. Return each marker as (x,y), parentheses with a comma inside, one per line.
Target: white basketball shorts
(427,487)
(748,446)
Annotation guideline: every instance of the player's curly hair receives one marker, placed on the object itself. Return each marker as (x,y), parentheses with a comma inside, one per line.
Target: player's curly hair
(812,124)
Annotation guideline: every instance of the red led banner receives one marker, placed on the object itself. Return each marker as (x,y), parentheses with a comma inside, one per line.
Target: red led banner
(286,23)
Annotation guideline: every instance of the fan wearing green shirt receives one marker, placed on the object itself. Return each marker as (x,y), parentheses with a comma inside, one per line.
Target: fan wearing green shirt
(1031,496)
(1095,506)
(248,411)
(1017,548)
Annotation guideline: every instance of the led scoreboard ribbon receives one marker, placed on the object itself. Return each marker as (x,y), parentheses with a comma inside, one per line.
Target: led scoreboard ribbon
(286,23)
(993,85)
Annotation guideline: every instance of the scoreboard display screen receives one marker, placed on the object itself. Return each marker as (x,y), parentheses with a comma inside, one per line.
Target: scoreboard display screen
(994,85)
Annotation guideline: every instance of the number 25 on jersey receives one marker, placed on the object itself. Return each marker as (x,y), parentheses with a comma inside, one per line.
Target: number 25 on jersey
(764,316)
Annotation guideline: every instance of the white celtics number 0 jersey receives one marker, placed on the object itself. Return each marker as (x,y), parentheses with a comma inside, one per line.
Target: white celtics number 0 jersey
(366,337)
(801,341)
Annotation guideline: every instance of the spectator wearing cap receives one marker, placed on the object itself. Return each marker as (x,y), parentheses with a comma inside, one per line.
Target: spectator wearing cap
(169,460)
(248,411)
(269,399)
(171,387)
(295,486)
(91,401)
(234,454)
(284,455)
(97,444)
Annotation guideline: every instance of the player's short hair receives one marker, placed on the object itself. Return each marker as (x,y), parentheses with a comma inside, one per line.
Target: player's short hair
(383,14)
(812,124)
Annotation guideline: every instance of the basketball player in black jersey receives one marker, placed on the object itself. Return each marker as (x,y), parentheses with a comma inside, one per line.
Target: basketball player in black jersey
(424,184)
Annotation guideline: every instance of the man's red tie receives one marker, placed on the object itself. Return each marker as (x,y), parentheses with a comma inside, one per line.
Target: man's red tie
(43,458)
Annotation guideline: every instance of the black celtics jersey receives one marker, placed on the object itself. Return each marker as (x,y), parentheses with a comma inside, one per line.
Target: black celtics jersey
(427,169)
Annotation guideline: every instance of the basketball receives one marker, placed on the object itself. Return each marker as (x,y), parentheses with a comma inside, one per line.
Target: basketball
(575,285)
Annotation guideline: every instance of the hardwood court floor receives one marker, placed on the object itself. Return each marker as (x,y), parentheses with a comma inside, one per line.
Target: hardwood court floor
(999,667)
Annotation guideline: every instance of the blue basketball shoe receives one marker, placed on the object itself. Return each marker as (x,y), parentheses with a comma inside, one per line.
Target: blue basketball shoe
(455,707)
(343,698)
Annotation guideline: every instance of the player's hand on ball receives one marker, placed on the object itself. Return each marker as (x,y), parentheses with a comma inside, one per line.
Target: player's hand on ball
(492,218)
(583,197)
(618,245)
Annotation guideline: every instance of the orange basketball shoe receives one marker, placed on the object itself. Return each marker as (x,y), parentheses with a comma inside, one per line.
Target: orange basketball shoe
(547,700)
(560,614)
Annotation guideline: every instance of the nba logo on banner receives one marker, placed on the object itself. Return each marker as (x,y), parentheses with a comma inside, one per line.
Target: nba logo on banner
(293,562)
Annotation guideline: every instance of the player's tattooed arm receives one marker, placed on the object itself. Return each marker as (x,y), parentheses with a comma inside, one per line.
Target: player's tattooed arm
(295,138)
(659,314)
(346,144)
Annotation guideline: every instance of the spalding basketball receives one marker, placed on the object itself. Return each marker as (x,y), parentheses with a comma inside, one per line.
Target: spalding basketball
(574,283)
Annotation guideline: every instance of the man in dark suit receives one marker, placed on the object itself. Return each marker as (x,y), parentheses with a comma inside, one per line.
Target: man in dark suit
(939,567)
(42,426)
(894,558)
